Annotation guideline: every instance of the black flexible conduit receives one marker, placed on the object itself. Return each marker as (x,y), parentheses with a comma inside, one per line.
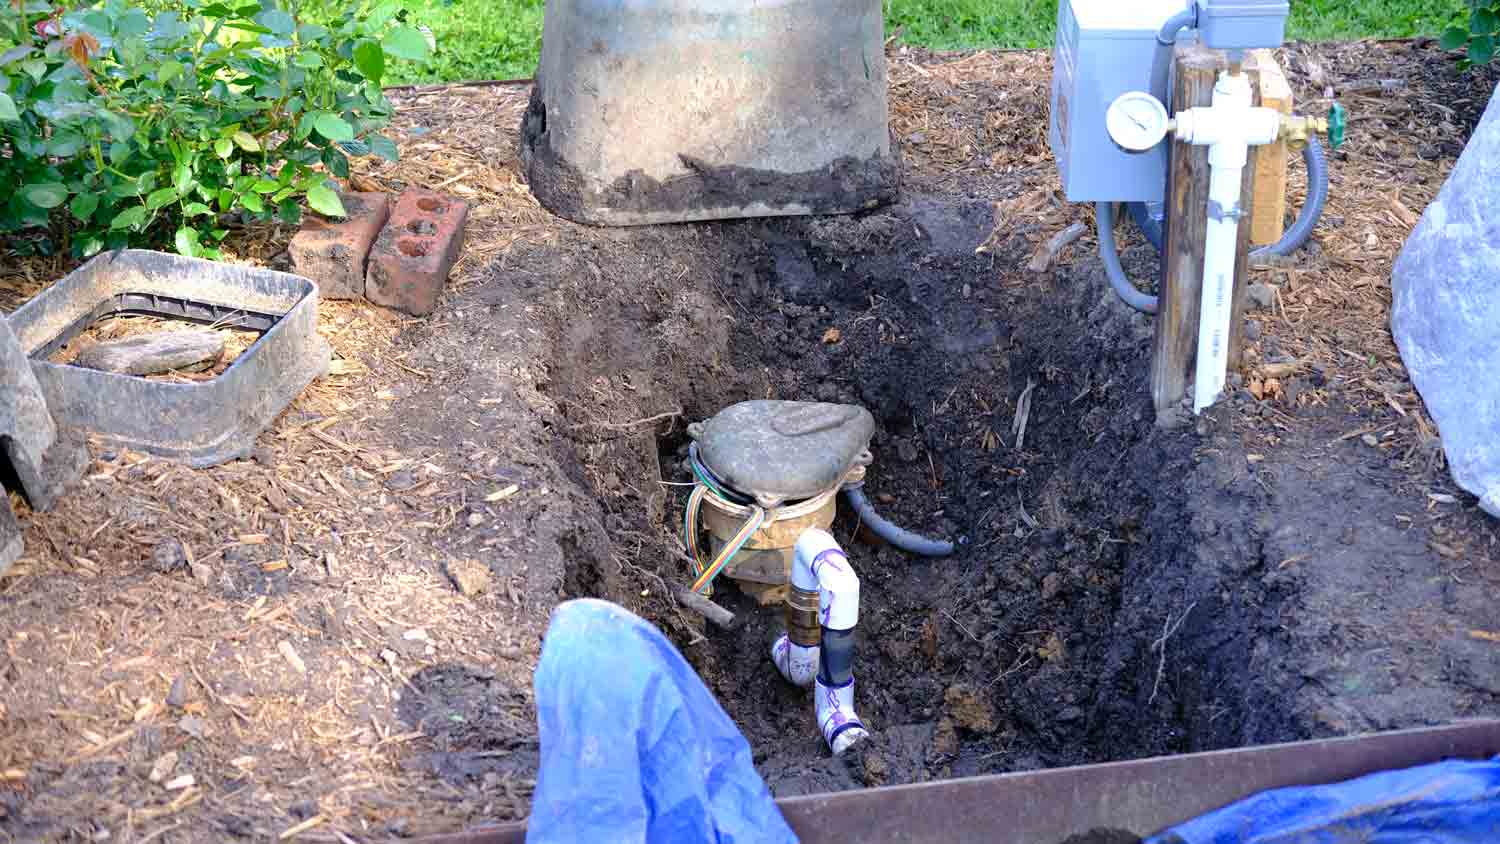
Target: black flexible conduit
(904,539)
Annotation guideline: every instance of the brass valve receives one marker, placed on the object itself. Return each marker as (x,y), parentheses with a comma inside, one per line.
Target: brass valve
(1296,130)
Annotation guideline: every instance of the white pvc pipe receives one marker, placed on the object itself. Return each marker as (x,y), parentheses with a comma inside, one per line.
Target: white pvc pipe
(1219,248)
(841,728)
(819,564)
(797,663)
(1228,128)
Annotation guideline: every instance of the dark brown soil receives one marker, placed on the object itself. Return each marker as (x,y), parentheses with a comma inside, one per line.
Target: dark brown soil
(1119,591)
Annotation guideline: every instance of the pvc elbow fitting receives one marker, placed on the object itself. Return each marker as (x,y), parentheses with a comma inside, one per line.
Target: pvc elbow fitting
(841,727)
(819,564)
(798,664)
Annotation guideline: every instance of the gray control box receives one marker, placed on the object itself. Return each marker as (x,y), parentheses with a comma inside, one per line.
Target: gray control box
(1242,24)
(1104,49)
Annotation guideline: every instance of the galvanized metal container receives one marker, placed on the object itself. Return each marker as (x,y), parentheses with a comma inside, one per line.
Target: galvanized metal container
(655,111)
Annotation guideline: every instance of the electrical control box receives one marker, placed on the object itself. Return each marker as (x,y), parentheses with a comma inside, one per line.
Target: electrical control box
(1104,49)
(1242,24)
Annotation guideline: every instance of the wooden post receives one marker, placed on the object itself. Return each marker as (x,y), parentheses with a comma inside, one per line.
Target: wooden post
(1268,218)
(1195,70)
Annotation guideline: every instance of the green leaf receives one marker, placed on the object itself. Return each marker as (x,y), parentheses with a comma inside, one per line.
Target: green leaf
(84,205)
(224,147)
(65,144)
(369,57)
(133,22)
(168,71)
(309,61)
(336,162)
(46,194)
(182,178)
(277,21)
(8,109)
(325,201)
(89,246)
(264,186)
(405,42)
(253,202)
(1453,38)
(196,209)
(384,147)
(333,127)
(160,198)
(15,54)
(1482,49)
(1483,22)
(245,141)
(290,212)
(129,218)
(186,241)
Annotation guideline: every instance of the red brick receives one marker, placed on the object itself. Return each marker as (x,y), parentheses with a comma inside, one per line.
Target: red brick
(413,256)
(333,252)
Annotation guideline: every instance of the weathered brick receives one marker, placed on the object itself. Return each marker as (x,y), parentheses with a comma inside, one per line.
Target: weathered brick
(334,253)
(414,254)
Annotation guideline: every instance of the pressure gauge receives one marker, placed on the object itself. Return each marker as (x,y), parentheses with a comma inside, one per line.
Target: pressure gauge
(1137,121)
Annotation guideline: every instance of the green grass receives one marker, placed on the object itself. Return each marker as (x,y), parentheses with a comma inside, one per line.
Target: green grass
(499,39)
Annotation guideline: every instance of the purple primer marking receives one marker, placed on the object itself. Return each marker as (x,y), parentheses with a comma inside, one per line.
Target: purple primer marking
(834,557)
(839,561)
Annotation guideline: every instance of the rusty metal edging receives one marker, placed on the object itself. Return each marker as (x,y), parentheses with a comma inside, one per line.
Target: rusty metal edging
(1144,796)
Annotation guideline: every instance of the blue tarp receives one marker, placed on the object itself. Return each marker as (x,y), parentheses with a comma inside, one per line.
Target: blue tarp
(1444,803)
(634,747)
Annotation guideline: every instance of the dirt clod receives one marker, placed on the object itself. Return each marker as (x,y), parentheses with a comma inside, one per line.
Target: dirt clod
(169,556)
(1263,296)
(163,767)
(969,709)
(177,695)
(471,577)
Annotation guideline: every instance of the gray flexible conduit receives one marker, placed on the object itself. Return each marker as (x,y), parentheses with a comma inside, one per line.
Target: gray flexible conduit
(904,539)
(1104,215)
(1312,210)
(1187,18)
(1295,237)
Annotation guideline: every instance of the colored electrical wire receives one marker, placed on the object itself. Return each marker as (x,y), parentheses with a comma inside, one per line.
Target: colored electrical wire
(690,526)
(753,524)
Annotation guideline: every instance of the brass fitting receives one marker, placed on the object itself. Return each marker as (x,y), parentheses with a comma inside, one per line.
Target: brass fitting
(1296,130)
(801,610)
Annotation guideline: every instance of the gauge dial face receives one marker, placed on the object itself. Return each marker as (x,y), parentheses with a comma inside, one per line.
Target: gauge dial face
(1137,121)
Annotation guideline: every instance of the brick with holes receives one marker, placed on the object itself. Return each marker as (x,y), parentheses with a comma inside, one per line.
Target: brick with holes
(333,253)
(414,254)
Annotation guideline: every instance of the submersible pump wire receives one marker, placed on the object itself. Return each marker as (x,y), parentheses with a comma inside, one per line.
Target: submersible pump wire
(707,486)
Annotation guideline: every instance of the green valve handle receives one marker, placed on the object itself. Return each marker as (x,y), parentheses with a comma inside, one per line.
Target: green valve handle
(1338,124)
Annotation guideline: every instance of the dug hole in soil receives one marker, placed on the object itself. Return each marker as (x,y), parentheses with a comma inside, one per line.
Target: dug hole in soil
(1032,646)
(1295,564)
(1120,590)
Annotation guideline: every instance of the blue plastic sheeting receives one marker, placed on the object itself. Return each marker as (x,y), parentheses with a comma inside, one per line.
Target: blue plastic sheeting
(1445,803)
(634,748)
